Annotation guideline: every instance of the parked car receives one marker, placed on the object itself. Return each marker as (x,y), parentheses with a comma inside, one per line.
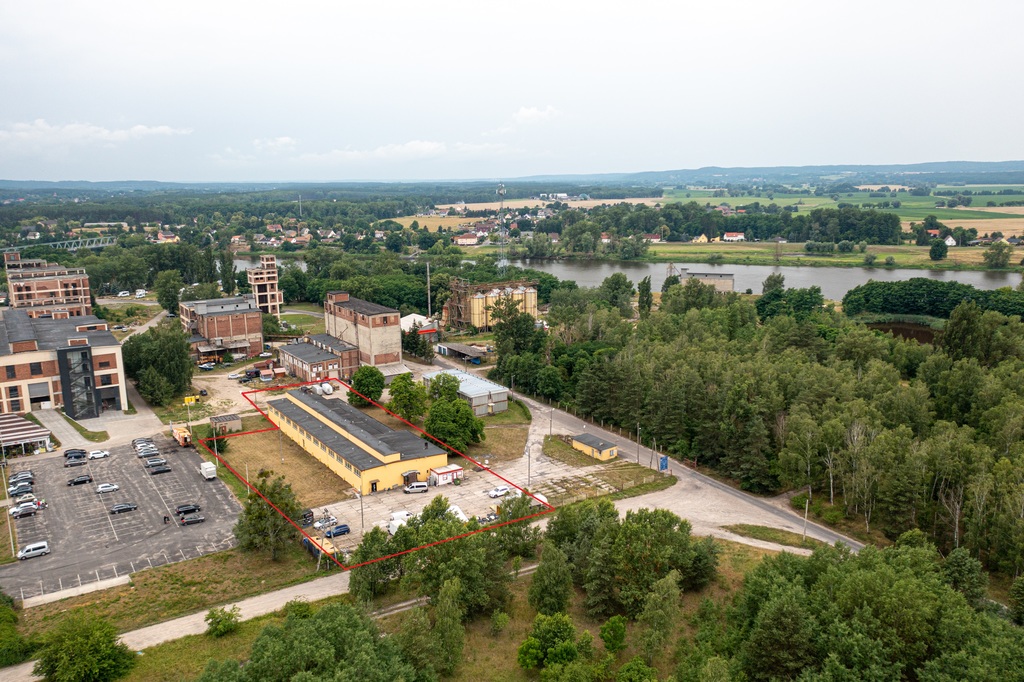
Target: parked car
(79,480)
(75,452)
(189,508)
(27,511)
(159,470)
(26,478)
(139,441)
(235,375)
(107,488)
(189,519)
(33,550)
(172,315)
(202,392)
(27,497)
(23,507)
(500,491)
(20,489)
(123,507)
(154,462)
(76,462)
(341,529)
(325,522)
(207,366)
(147,451)
(21,475)
(124,294)
(99,454)
(245,380)
(266,354)
(416,487)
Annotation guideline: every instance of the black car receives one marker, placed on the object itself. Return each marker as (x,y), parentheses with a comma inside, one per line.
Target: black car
(20,489)
(22,513)
(76,462)
(187,509)
(202,392)
(123,507)
(22,478)
(27,473)
(192,518)
(79,480)
(75,452)
(159,470)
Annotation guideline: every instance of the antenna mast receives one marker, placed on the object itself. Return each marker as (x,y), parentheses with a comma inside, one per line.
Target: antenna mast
(502,260)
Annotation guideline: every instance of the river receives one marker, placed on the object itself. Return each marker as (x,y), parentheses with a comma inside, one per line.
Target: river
(834,282)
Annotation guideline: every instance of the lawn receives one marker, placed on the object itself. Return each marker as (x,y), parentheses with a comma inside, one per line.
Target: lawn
(517,413)
(779,537)
(159,594)
(91,436)
(556,448)
(308,324)
(502,444)
(314,484)
(6,529)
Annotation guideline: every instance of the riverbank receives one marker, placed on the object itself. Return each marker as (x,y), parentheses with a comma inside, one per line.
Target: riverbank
(912,257)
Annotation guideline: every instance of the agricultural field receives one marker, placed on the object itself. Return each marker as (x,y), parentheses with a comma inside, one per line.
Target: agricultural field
(434,223)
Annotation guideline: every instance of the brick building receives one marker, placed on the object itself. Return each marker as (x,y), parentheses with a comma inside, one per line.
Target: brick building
(47,289)
(219,326)
(374,329)
(319,357)
(263,281)
(70,362)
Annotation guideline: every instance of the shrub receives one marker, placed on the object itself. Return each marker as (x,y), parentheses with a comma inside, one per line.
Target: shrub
(222,622)
(833,515)
(798,502)
(870,258)
(298,608)
(889,260)
(499,621)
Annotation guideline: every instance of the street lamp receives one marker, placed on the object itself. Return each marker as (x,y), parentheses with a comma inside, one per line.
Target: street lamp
(551,422)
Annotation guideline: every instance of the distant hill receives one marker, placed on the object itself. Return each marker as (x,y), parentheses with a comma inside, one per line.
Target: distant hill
(938,172)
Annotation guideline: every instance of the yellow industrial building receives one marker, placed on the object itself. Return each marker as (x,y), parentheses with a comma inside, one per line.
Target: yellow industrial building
(368,455)
(589,444)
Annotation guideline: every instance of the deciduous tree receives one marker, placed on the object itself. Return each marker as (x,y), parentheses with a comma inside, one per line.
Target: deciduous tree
(551,587)
(83,648)
(368,381)
(261,527)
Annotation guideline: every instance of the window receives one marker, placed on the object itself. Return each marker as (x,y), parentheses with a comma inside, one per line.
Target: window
(105,380)
(35,368)
(11,371)
(14,392)
(15,406)
(104,364)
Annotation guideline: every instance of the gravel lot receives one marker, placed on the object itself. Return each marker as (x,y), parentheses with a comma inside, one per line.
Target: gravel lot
(88,543)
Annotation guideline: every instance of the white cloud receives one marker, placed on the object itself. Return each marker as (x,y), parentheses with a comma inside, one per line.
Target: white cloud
(41,133)
(275,144)
(407,151)
(531,115)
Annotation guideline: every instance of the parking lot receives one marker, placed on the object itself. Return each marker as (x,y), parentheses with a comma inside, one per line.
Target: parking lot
(375,510)
(88,543)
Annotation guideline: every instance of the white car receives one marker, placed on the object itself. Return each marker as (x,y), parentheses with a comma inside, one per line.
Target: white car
(325,523)
(106,488)
(236,375)
(500,491)
(23,507)
(99,454)
(266,354)
(124,294)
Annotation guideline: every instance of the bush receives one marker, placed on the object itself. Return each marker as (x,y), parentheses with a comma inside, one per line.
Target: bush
(499,621)
(14,648)
(889,260)
(222,622)
(833,515)
(298,608)
(870,258)
(798,502)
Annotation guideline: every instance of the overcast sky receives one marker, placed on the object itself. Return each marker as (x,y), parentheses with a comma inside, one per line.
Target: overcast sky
(393,90)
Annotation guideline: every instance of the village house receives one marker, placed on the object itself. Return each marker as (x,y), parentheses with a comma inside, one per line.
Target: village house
(734,237)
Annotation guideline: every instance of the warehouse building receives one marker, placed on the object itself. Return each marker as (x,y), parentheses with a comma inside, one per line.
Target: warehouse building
(485,397)
(219,327)
(368,455)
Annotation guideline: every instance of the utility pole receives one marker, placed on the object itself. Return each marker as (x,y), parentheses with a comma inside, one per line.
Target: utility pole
(429,313)
(638,443)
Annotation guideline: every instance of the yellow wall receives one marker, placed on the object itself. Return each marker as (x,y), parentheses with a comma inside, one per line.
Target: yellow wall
(603,455)
(386,475)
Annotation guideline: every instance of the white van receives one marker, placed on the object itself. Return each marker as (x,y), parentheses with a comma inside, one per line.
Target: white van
(124,294)
(33,550)
(418,487)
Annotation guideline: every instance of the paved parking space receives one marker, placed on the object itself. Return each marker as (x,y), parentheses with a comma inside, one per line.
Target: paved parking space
(375,510)
(88,543)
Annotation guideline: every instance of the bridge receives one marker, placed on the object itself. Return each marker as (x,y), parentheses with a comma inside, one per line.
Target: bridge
(70,245)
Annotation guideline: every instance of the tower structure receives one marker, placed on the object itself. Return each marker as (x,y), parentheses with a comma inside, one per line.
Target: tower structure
(263,281)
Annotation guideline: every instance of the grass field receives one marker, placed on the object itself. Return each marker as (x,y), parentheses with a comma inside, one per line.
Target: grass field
(307,323)
(434,223)
(503,444)
(6,529)
(556,449)
(779,537)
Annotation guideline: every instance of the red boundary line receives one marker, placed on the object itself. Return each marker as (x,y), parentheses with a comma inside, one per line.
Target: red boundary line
(275,427)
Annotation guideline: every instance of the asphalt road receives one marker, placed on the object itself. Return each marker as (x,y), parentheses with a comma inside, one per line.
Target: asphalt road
(88,543)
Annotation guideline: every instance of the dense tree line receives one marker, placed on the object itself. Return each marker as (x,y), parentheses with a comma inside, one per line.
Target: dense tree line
(787,393)
(923,296)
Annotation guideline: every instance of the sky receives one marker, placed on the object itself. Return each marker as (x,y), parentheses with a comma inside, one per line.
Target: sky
(392,90)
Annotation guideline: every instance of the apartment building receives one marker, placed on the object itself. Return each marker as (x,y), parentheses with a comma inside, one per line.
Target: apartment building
(53,362)
(47,289)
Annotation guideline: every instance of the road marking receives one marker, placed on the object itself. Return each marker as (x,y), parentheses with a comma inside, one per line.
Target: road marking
(110,520)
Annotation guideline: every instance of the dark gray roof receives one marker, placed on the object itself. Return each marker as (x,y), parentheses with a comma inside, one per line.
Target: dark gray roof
(332,342)
(306,352)
(382,439)
(50,334)
(365,307)
(593,441)
(219,418)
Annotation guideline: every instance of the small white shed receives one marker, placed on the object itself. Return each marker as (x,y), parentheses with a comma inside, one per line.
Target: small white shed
(445,475)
